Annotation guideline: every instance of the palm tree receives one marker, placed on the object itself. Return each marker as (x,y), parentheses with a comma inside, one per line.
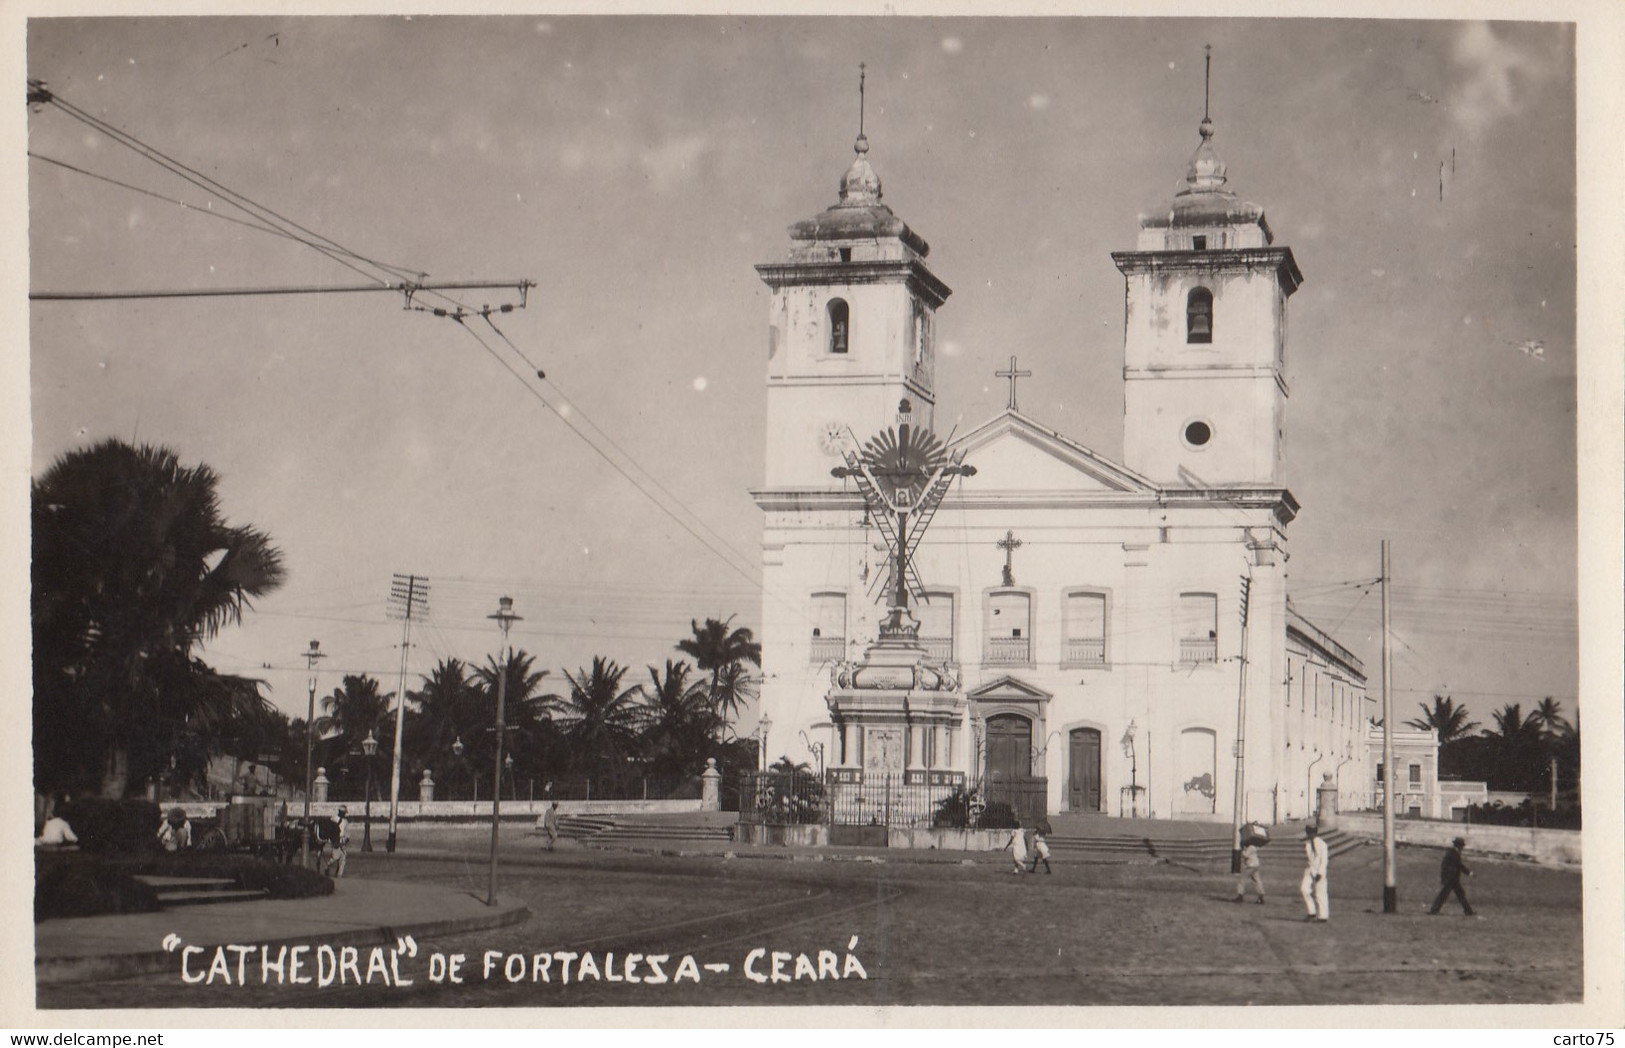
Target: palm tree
(447,708)
(601,719)
(1548,714)
(722,652)
(1512,726)
(134,567)
(527,716)
(355,710)
(1517,749)
(681,720)
(1446,718)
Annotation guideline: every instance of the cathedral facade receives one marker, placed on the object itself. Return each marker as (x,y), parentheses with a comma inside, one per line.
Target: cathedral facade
(1116,636)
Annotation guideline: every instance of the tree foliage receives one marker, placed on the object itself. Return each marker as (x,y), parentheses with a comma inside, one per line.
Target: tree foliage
(133,567)
(720,649)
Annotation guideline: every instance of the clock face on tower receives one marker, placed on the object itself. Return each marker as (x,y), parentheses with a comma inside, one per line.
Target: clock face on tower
(831,438)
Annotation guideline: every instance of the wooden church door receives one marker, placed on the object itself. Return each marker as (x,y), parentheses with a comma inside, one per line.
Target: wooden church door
(1009,747)
(1083,792)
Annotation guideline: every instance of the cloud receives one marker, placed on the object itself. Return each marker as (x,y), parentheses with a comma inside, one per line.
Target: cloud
(675,160)
(1497,71)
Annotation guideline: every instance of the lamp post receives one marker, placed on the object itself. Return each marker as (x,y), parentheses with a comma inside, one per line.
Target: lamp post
(507,765)
(457,751)
(817,750)
(505,618)
(369,749)
(764,726)
(311,656)
(1133,770)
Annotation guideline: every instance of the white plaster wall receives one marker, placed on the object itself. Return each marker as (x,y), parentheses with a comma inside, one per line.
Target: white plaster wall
(1232,382)
(808,386)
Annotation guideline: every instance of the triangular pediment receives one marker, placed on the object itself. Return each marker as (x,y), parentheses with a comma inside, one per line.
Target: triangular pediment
(1008,689)
(1011,452)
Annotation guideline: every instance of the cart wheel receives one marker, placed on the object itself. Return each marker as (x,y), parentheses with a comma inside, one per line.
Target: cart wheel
(212,841)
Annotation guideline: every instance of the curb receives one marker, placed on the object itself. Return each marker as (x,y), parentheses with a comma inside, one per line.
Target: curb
(53,971)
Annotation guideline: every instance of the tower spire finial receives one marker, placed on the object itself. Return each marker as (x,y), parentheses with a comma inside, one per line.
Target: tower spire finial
(863,69)
(1207,78)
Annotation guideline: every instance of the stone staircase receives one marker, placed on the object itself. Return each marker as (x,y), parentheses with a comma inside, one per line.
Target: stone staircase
(632,833)
(1189,851)
(198,891)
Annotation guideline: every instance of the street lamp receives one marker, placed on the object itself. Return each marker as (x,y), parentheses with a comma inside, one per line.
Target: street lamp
(507,766)
(369,749)
(311,656)
(764,725)
(457,751)
(1133,770)
(505,618)
(817,750)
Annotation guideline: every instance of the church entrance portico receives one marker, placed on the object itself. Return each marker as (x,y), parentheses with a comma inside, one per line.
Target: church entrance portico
(1008,717)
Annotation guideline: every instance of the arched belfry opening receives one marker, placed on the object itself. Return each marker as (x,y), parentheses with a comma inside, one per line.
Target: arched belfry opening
(1199,316)
(840,323)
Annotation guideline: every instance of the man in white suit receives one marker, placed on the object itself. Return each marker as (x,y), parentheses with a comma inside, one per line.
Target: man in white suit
(1313,886)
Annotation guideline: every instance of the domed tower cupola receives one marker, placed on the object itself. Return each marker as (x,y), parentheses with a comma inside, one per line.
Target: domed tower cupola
(1204,347)
(852,327)
(860,185)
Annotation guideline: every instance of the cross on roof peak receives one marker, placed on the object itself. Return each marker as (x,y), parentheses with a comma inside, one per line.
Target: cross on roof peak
(1012,374)
(1009,544)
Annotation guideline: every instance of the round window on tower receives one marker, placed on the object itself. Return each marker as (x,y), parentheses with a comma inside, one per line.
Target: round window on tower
(1198,433)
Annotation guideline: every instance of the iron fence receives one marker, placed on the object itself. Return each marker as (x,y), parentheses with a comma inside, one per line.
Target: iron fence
(780,798)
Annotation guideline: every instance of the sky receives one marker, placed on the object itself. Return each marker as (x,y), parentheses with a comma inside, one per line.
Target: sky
(637,169)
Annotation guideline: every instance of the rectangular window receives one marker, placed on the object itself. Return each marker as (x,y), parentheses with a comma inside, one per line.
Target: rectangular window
(936,615)
(1009,622)
(1416,774)
(828,627)
(1198,627)
(1085,629)
(1199,242)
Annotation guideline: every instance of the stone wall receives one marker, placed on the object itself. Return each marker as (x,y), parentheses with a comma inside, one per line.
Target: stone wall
(462,811)
(1547,847)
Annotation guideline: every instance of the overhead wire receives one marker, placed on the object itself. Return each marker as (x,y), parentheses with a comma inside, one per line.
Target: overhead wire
(609,459)
(273,222)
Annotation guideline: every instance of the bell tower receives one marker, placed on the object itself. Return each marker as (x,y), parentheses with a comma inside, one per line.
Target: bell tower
(851,331)
(1204,344)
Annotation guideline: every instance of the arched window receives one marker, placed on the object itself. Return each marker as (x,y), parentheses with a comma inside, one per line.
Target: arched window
(839,322)
(1199,315)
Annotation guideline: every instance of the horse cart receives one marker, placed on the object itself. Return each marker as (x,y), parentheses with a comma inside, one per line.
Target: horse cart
(255,826)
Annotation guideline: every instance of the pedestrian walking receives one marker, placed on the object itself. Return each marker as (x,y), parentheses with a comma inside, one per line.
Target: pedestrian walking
(334,863)
(1250,873)
(1451,871)
(175,832)
(1041,849)
(1018,848)
(550,824)
(1317,866)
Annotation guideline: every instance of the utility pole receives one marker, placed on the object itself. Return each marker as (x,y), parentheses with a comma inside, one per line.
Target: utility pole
(1241,733)
(311,655)
(408,597)
(505,618)
(1390,889)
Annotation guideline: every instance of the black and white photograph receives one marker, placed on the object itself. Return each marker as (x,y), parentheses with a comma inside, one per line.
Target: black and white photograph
(790,518)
